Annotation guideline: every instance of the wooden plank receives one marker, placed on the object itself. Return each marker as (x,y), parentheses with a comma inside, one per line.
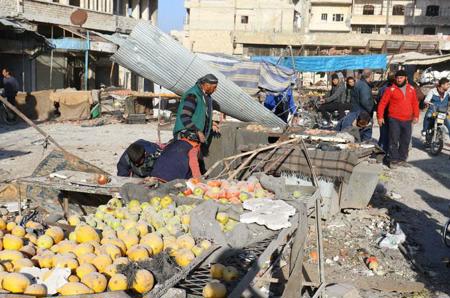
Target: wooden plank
(262,260)
(295,281)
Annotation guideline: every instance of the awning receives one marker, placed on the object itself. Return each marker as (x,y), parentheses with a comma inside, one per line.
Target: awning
(11,28)
(327,63)
(415,58)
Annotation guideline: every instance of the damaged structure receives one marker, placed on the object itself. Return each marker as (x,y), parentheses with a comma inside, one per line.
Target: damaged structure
(315,27)
(57,57)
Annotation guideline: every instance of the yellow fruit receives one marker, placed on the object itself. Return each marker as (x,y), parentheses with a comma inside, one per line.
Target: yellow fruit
(74,288)
(11,225)
(185,241)
(65,262)
(216,271)
(197,250)
(205,244)
(142,227)
(170,242)
(56,233)
(18,231)
(214,289)
(85,269)
(12,242)
(15,282)
(166,201)
(138,253)
(230,274)
(67,246)
(33,225)
(36,290)
(2,224)
(73,236)
(133,204)
(95,281)
(110,270)
(222,217)
(28,250)
(153,241)
(22,263)
(184,257)
(121,261)
(2,276)
(130,240)
(45,241)
(54,248)
(113,251)
(74,220)
(31,237)
(185,219)
(101,262)
(8,266)
(143,281)
(117,242)
(108,234)
(83,248)
(86,233)
(73,278)
(87,258)
(118,282)
(45,261)
(10,255)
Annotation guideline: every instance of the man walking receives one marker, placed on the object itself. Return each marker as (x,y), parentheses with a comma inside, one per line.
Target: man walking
(10,86)
(403,110)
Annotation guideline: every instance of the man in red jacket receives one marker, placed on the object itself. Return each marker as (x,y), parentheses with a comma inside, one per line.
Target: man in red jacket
(403,110)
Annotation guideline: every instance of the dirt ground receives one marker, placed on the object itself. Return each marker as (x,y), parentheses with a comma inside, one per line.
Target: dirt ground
(421,206)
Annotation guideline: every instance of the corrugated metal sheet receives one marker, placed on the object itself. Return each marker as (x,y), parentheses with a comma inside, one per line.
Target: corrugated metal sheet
(156,56)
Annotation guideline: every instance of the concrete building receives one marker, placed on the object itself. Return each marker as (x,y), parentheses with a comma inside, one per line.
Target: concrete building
(264,27)
(64,65)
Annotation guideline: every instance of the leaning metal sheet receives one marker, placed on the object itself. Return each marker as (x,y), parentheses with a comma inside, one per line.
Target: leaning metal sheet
(156,56)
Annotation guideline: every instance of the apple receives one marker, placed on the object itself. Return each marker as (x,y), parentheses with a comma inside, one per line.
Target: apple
(230,274)
(222,217)
(155,201)
(198,192)
(166,201)
(99,215)
(243,196)
(297,194)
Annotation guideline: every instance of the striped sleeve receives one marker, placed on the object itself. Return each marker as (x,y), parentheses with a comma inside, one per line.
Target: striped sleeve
(190,104)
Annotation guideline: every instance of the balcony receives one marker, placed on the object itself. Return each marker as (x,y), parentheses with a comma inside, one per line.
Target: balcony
(429,21)
(377,20)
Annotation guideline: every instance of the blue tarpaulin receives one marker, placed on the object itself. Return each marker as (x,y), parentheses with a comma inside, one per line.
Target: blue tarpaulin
(328,63)
(251,76)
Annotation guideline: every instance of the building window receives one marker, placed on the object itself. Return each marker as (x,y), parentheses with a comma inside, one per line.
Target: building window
(366,29)
(429,31)
(432,10)
(338,17)
(396,30)
(368,10)
(324,17)
(244,19)
(398,10)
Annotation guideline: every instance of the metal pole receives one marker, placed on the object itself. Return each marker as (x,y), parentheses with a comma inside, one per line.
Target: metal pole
(86,61)
(51,61)
(386,29)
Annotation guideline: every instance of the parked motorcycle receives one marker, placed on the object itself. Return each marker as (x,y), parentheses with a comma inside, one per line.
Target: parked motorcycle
(434,137)
(6,115)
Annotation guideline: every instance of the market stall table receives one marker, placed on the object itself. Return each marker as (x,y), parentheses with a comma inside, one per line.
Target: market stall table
(67,182)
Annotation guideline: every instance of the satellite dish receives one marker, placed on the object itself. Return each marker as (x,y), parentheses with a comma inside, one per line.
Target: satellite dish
(78,17)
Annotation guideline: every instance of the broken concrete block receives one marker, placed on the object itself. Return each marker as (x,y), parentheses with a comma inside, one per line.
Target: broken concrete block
(343,290)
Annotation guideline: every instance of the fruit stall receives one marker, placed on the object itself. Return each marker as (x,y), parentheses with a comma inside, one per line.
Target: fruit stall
(194,238)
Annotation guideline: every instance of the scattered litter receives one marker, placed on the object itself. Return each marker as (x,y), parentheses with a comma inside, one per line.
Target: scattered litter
(395,196)
(53,280)
(392,241)
(272,214)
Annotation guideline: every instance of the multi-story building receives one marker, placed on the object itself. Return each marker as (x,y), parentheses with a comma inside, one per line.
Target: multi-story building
(64,65)
(264,27)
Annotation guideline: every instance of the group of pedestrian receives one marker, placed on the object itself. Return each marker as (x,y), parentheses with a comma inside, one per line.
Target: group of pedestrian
(396,107)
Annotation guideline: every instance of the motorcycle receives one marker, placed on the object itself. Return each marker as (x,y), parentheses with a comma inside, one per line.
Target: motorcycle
(315,119)
(434,137)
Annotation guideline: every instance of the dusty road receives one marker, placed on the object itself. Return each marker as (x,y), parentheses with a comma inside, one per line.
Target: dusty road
(424,187)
